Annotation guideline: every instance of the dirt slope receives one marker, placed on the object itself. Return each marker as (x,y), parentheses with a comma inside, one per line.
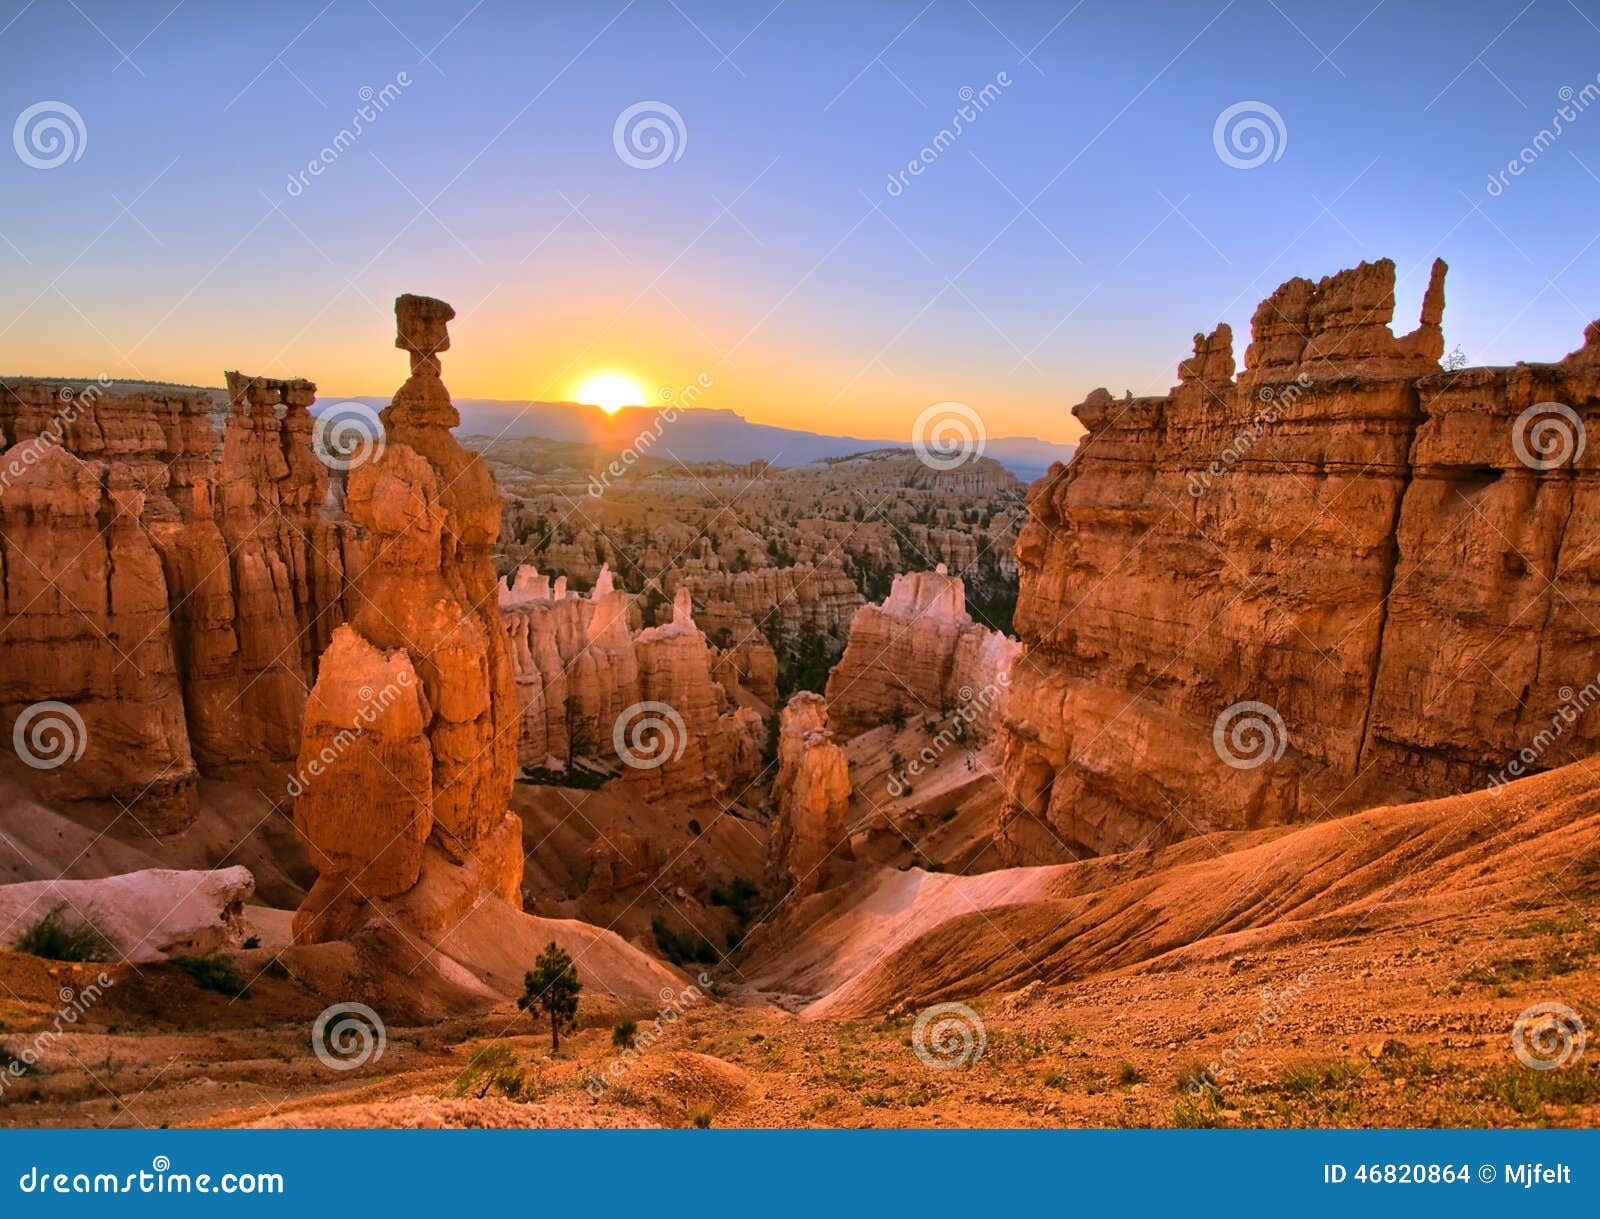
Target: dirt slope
(915,938)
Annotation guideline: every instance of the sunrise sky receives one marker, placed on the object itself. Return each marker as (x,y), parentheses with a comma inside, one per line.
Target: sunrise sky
(1076,234)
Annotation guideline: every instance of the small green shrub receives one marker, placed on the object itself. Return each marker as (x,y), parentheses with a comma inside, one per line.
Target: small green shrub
(491,1066)
(1528,1091)
(738,897)
(217,971)
(51,938)
(1312,1077)
(623,1031)
(1194,1115)
(576,776)
(682,947)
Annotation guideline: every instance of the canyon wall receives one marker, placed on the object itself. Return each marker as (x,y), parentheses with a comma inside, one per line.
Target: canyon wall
(174,567)
(919,654)
(787,604)
(166,589)
(653,705)
(1345,577)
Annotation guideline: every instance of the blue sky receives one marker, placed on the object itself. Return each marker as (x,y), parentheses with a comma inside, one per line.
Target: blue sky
(1076,234)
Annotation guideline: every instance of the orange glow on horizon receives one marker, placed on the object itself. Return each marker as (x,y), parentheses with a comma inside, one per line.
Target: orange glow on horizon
(610,391)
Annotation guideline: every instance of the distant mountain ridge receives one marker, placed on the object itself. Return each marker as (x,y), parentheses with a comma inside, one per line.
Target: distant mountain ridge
(697,434)
(706,434)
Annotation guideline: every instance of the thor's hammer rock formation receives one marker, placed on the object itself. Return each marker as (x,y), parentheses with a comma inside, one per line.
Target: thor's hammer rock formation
(408,751)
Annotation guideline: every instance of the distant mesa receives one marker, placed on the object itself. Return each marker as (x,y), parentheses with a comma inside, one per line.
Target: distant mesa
(708,434)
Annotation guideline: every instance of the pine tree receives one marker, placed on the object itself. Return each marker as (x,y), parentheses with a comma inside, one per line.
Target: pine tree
(552,987)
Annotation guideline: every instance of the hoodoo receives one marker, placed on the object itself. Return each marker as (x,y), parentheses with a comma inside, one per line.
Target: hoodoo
(414,700)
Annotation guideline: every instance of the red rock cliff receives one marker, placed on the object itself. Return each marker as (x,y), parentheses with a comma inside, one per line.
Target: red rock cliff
(1332,582)
(169,586)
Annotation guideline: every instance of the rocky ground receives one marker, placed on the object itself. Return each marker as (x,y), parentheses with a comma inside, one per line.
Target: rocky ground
(1366,972)
(1396,1030)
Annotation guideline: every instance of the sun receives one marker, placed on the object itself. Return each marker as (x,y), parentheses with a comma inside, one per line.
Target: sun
(611,392)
